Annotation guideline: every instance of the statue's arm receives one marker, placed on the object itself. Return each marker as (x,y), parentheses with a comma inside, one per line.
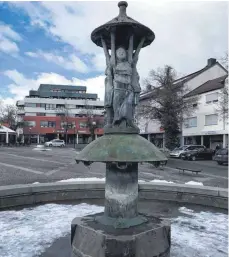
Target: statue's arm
(113,61)
(107,55)
(136,53)
(130,49)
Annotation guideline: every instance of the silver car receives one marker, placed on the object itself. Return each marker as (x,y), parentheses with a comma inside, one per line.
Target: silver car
(55,142)
(176,153)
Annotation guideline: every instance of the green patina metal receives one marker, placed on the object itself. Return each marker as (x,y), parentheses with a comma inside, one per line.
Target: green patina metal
(121,148)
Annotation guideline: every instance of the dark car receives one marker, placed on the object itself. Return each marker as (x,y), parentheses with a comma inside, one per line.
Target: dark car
(202,153)
(221,156)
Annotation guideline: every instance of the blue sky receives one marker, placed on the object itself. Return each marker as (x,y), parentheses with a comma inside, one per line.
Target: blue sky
(49,42)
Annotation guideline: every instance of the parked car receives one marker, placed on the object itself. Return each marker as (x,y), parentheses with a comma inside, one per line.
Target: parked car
(221,156)
(201,153)
(176,153)
(55,142)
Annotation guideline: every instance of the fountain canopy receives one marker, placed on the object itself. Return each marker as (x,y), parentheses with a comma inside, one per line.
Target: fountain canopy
(121,148)
(124,26)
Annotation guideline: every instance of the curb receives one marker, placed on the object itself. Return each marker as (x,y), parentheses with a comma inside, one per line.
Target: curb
(30,194)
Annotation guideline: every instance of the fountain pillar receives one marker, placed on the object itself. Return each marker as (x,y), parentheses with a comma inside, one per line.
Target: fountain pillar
(121,231)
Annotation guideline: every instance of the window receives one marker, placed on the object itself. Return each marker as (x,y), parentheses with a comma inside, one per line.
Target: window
(44,124)
(191,122)
(211,119)
(190,148)
(41,114)
(30,123)
(212,98)
(83,125)
(69,124)
(51,124)
(48,124)
(50,106)
(30,105)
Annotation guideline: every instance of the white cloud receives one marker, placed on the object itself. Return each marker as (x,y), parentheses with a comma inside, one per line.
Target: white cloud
(72,62)
(21,85)
(8,46)
(187,33)
(6,31)
(7,40)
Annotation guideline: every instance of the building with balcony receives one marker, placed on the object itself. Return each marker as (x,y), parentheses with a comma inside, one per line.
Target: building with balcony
(56,110)
(206,83)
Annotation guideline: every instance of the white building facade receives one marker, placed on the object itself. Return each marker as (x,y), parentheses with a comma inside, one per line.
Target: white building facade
(207,126)
(210,135)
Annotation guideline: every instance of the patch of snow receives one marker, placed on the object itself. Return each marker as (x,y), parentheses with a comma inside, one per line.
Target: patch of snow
(161,181)
(194,183)
(41,149)
(88,179)
(199,234)
(29,232)
(81,179)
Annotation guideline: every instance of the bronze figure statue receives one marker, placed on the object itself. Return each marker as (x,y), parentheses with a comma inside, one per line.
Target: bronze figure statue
(124,37)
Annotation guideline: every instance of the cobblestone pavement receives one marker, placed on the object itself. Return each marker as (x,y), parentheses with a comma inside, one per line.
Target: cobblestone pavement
(23,165)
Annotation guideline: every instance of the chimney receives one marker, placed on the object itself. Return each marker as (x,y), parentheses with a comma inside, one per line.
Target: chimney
(211,62)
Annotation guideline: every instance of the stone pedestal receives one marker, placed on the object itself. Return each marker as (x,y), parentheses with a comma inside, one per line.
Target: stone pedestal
(93,239)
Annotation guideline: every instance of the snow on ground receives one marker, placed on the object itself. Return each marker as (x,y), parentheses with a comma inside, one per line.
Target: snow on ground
(194,183)
(160,181)
(140,180)
(28,232)
(202,234)
(81,179)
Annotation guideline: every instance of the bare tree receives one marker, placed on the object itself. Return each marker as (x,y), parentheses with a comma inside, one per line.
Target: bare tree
(92,120)
(224,60)
(8,114)
(64,112)
(222,106)
(166,104)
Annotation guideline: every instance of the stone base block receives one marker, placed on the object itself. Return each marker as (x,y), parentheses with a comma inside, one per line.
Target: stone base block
(93,239)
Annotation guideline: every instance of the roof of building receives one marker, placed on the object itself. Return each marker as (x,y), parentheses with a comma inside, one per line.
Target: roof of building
(63,91)
(208,86)
(182,80)
(68,87)
(4,129)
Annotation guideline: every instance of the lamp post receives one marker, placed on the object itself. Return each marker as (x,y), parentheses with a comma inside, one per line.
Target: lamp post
(93,130)
(30,136)
(74,126)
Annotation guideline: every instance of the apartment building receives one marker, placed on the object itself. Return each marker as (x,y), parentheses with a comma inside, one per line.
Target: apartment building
(195,82)
(207,126)
(54,110)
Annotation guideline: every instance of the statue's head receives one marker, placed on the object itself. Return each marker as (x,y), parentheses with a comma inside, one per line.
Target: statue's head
(121,53)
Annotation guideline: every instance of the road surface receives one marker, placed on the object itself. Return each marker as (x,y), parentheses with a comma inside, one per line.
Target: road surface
(24,165)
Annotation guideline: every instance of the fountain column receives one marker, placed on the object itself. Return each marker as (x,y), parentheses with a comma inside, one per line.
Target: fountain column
(121,231)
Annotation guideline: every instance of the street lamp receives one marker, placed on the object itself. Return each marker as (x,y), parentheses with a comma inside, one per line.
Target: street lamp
(93,128)
(30,136)
(74,126)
